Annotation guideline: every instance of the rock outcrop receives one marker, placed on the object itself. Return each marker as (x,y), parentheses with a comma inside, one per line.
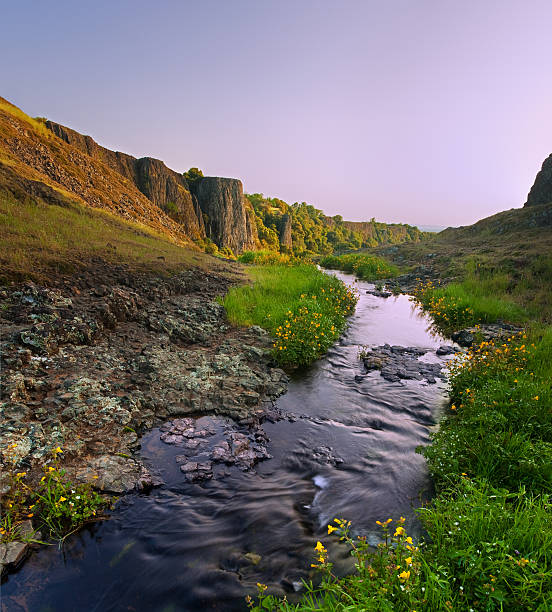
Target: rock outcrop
(216,210)
(166,188)
(541,191)
(285,232)
(227,219)
(144,190)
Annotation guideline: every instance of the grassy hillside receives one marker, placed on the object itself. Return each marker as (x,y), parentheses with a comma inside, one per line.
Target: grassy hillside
(33,160)
(40,239)
(507,255)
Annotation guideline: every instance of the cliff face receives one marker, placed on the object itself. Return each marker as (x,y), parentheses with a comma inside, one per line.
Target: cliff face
(541,191)
(164,187)
(48,158)
(225,215)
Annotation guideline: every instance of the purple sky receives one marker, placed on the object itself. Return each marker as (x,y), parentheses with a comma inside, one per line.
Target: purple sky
(426,112)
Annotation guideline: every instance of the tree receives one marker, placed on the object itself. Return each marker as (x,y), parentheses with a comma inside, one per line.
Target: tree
(193,175)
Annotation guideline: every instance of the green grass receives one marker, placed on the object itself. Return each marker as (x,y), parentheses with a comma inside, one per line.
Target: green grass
(37,124)
(264,258)
(39,239)
(303,308)
(466,304)
(366,267)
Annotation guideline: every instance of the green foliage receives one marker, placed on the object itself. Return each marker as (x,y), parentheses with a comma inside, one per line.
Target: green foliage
(301,306)
(210,247)
(192,175)
(314,324)
(64,506)
(171,208)
(392,578)
(313,233)
(264,258)
(367,267)
(499,428)
(56,505)
(226,252)
(468,303)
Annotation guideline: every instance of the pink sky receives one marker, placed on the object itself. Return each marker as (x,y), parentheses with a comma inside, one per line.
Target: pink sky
(427,112)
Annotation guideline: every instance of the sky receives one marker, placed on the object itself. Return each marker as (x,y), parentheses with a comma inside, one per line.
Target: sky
(418,111)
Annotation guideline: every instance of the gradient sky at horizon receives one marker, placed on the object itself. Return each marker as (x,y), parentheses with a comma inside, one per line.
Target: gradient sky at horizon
(426,112)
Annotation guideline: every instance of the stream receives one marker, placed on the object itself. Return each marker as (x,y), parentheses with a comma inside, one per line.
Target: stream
(346,449)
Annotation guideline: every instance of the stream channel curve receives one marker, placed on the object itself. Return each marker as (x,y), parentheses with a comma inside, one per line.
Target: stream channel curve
(345,449)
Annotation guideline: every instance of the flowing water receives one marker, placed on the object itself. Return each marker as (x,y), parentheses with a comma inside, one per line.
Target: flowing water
(348,451)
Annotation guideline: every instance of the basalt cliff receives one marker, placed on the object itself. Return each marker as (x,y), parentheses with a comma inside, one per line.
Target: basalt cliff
(40,158)
(541,191)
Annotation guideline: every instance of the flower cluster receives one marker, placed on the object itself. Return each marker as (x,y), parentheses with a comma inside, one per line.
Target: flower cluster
(55,504)
(449,313)
(314,325)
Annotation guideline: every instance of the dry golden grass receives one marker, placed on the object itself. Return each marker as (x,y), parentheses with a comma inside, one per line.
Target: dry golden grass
(39,240)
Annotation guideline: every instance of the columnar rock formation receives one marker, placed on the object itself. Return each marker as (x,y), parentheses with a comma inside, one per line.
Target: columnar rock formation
(285,232)
(541,191)
(212,207)
(226,218)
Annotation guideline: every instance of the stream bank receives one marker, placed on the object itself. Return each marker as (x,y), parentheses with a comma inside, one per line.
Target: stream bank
(91,363)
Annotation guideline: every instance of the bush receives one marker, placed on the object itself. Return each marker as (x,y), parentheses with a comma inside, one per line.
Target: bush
(366,267)
(264,258)
(193,174)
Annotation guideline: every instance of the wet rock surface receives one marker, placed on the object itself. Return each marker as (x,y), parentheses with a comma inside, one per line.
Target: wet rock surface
(489,332)
(12,554)
(378,293)
(91,363)
(210,444)
(403,363)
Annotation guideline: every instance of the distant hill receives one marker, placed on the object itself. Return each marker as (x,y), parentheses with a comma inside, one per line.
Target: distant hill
(507,241)
(433,229)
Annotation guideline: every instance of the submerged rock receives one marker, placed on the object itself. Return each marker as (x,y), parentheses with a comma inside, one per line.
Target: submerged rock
(402,363)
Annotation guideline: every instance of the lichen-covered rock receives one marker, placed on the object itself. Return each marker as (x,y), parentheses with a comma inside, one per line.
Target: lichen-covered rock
(90,369)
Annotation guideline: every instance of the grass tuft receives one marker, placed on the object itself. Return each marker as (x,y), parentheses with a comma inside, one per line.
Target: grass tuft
(303,308)
(366,267)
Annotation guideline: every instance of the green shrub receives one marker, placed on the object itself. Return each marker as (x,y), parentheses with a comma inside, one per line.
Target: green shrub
(264,258)
(193,175)
(366,267)
(210,247)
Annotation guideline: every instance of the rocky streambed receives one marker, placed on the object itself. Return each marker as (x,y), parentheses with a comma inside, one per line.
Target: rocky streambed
(92,363)
(230,484)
